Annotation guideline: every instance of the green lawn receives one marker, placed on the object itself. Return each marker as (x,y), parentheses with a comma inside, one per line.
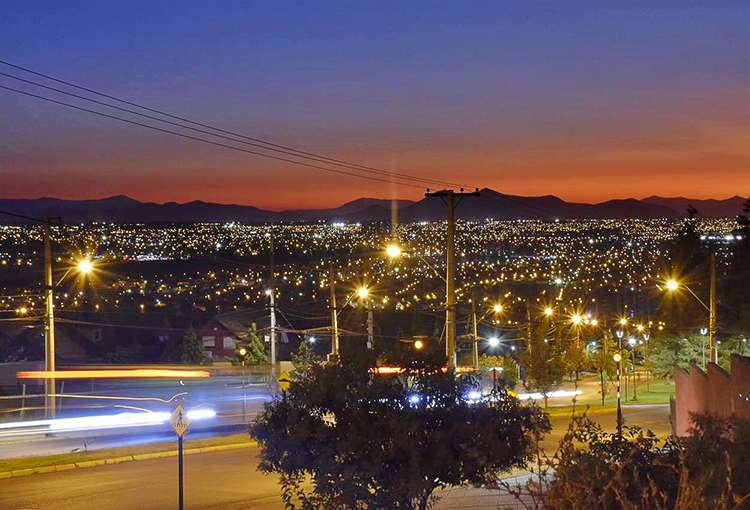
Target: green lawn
(656,393)
(111,453)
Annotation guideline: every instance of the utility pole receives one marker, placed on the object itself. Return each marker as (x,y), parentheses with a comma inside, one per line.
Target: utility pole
(370,326)
(450,277)
(50,384)
(528,326)
(272,293)
(334,312)
(712,311)
(475,343)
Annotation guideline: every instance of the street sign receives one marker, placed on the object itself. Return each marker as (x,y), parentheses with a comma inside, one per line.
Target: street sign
(179,420)
(284,381)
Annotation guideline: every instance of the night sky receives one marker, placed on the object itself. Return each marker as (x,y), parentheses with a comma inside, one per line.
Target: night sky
(584,100)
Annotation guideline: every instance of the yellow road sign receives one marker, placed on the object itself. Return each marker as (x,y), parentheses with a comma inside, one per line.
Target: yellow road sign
(179,420)
(284,381)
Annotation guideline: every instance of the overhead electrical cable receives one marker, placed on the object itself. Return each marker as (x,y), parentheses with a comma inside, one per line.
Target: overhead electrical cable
(266,145)
(210,142)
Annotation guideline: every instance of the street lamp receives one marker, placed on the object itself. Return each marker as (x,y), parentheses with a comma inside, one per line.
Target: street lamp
(418,344)
(673,285)
(497,308)
(494,341)
(549,311)
(618,359)
(83,266)
(393,251)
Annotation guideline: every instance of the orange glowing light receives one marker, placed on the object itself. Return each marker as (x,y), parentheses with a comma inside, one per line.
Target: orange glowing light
(115,374)
(398,370)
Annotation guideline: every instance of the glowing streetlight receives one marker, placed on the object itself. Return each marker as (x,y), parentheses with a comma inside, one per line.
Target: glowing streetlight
(594,322)
(497,308)
(312,339)
(548,311)
(672,285)
(494,342)
(640,328)
(85,266)
(623,322)
(393,251)
(576,319)
(243,351)
(363,292)
(418,344)
(618,358)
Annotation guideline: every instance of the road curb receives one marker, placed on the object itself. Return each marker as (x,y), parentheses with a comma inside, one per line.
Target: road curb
(118,460)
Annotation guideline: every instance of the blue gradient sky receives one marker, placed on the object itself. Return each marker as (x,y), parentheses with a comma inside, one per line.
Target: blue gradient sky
(584,100)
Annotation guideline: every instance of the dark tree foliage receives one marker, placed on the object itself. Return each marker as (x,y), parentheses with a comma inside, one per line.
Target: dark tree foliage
(734,283)
(346,438)
(190,351)
(706,469)
(546,362)
(303,360)
(255,350)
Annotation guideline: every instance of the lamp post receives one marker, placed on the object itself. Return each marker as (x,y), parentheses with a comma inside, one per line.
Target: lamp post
(83,266)
(673,285)
(632,343)
(364,293)
(618,359)
(271,294)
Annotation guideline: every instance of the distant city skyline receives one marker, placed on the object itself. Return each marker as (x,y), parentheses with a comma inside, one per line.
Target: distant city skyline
(587,101)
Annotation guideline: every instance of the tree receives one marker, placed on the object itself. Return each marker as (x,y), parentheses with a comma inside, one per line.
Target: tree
(603,361)
(507,370)
(255,351)
(371,441)
(669,352)
(304,360)
(544,363)
(191,351)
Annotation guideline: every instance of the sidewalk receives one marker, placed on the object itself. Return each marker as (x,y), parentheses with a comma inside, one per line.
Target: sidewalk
(483,499)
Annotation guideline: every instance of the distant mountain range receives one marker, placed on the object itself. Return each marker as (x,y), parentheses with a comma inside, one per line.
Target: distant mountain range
(490,204)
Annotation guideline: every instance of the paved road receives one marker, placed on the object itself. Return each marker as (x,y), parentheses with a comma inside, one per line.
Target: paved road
(226,480)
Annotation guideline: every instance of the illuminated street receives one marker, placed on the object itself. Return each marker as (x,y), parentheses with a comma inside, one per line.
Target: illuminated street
(214,480)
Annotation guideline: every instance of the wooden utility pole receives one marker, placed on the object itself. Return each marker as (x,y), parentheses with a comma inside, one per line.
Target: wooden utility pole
(475,340)
(49,327)
(712,311)
(334,312)
(450,274)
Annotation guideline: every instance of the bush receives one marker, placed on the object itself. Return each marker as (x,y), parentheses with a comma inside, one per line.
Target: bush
(707,469)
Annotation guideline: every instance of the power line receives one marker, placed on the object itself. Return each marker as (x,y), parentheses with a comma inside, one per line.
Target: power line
(21,216)
(236,140)
(270,145)
(210,142)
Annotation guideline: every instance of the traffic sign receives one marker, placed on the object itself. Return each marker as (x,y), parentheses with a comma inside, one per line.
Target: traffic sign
(179,420)
(284,381)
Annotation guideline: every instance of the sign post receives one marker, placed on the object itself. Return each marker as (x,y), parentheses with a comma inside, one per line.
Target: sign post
(180,423)
(284,381)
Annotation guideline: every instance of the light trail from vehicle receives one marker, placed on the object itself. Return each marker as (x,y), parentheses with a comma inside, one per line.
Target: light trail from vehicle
(114,374)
